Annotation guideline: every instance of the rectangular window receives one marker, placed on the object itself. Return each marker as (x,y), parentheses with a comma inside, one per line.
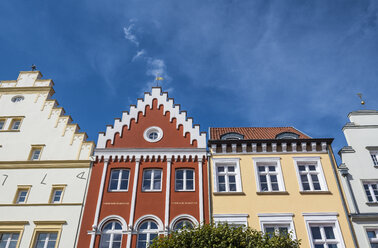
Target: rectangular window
(9,240)
(268,174)
(276,229)
(56,194)
(119,180)
(184,180)
(310,174)
(226,174)
(2,124)
(324,236)
(36,152)
(374,157)
(371,190)
(277,224)
(16,123)
(22,194)
(152,180)
(373,237)
(46,240)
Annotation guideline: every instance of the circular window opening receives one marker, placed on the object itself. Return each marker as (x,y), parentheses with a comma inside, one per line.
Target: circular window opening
(17,98)
(153,134)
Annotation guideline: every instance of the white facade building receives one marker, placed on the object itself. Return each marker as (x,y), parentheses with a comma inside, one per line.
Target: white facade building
(44,166)
(359,174)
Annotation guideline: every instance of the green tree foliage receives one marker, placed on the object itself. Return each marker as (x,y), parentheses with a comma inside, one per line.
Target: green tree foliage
(222,236)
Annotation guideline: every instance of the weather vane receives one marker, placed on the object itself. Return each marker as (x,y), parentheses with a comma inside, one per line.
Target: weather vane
(157,79)
(33,67)
(360,96)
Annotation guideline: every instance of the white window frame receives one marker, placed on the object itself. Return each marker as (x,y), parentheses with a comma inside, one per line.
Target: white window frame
(118,189)
(375,159)
(185,179)
(369,183)
(47,238)
(264,162)
(13,122)
(232,219)
(4,121)
(10,239)
(227,162)
(54,194)
(372,240)
(111,232)
(318,165)
(322,219)
(148,231)
(277,219)
(151,189)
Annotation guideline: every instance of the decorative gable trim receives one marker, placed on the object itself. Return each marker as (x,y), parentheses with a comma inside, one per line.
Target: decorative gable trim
(168,106)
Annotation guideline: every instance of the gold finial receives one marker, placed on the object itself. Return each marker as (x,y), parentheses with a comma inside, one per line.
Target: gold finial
(157,79)
(360,96)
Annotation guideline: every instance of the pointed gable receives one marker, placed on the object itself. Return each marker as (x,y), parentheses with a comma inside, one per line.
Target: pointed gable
(155,112)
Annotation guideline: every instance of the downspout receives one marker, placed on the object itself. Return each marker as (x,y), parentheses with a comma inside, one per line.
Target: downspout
(332,158)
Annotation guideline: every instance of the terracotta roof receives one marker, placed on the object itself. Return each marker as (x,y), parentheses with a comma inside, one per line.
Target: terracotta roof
(254,132)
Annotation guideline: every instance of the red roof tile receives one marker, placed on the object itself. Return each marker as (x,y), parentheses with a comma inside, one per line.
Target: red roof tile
(254,132)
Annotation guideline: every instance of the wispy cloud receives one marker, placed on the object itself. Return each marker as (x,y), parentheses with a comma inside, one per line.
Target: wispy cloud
(138,55)
(128,31)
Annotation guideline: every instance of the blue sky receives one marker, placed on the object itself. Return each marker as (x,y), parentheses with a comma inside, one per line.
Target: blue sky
(227,62)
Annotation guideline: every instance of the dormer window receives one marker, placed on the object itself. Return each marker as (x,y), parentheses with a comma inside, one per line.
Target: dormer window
(287,135)
(232,136)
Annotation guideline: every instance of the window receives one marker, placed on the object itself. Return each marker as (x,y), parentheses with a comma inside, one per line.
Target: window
(268,174)
(227,175)
(374,157)
(277,224)
(9,240)
(182,224)
(371,189)
(16,123)
(152,180)
(373,237)
(22,194)
(57,193)
(17,98)
(148,230)
(232,136)
(2,124)
(287,135)
(323,230)
(184,179)
(235,220)
(119,180)
(46,240)
(36,152)
(111,236)
(153,134)
(310,174)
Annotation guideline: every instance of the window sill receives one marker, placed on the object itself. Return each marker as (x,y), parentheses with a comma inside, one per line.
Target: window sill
(314,192)
(228,193)
(185,190)
(272,193)
(18,130)
(372,203)
(151,191)
(117,191)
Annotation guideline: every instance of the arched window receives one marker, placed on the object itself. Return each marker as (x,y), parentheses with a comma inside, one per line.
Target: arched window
(111,235)
(147,231)
(232,136)
(183,224)
(287,135)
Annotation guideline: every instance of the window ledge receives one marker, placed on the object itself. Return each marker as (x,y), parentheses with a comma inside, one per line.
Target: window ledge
(117,191)
(372,203)
(151,191)
(10,130)
(228,193)
(272,193)
(316,192)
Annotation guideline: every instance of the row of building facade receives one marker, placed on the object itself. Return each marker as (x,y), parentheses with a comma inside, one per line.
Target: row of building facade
(153,172)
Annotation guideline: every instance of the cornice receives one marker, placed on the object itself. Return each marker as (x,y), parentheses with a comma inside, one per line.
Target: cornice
(363,112)
(47,164)
(351,125)
(27,89)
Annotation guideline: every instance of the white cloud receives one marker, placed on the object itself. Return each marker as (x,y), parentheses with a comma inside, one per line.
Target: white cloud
(139,54)
(129,34)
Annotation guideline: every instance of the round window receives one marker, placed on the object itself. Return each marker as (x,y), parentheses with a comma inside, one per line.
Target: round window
(153,134)
(17,98)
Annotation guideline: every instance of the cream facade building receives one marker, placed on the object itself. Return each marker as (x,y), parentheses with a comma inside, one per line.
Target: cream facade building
(278,180)
(359,174)
(44,166)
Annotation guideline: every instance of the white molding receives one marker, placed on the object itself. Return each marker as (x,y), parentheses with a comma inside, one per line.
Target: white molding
(149,217)
(112,217)
(181,217)
(167,195)
(150,129)
(200,191)
(99,201)
(168,106)
(133,197)
(319,168)
(323,218)
(238,219)
(277,219)
(234,161)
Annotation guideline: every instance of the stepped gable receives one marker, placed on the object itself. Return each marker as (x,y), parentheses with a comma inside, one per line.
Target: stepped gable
(155,109)
(251,133)
(31,82)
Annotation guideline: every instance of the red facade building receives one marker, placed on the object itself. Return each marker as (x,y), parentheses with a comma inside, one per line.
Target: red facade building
(149,177)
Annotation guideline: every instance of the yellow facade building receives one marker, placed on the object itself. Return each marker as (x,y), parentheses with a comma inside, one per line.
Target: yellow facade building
(278,180)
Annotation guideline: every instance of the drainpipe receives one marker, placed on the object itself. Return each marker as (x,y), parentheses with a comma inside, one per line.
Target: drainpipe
(332,158)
